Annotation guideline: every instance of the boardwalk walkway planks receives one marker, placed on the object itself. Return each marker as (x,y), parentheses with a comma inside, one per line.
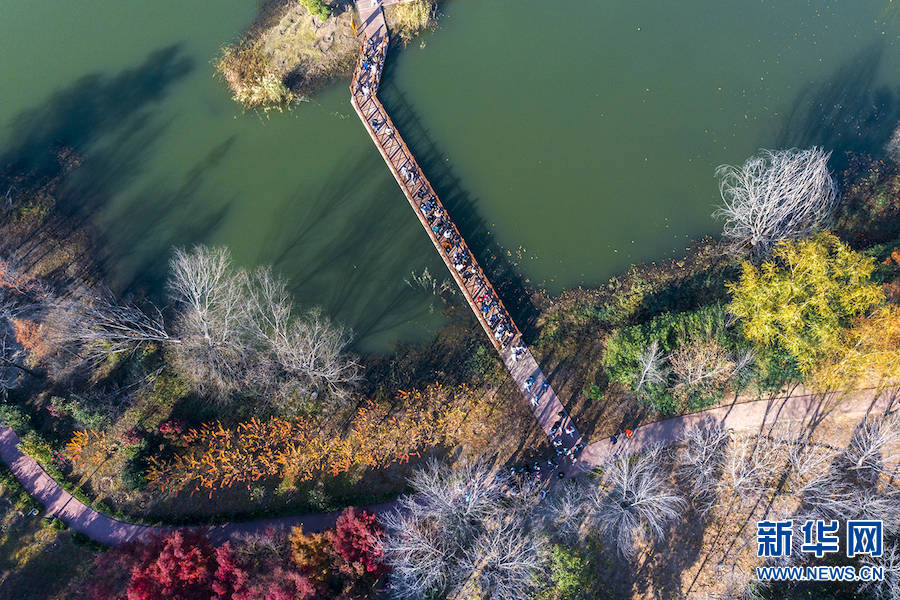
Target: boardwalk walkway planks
(472,280)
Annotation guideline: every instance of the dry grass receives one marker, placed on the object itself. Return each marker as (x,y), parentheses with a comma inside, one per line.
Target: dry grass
(247,71)
(36,560)
(410,18)
(287,54)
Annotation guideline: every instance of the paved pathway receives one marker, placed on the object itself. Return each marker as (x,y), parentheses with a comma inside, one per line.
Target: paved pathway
(112,532)
(749,415)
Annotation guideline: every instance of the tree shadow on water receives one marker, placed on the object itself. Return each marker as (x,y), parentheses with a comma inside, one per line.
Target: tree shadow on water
(91,108)
(160,218)
(81,146)
(462,206)
(352,248)
(849,111)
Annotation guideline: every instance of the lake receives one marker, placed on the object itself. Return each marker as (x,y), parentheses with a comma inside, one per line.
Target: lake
(568,140)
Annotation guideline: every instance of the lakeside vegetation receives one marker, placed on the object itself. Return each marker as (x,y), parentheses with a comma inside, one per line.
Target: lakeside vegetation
(411,18)
(231,404)
(292,49)
(296,46)
(251,407)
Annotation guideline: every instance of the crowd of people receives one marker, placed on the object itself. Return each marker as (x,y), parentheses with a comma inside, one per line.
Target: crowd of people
(370,66)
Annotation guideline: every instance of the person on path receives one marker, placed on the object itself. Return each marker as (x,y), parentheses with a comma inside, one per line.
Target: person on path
(628,433)
(614,439)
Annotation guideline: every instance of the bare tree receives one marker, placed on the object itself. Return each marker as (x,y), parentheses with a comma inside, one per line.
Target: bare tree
(889,587)
(100,327)
(238,334)
(751,464)
(454,535)
(565,511)
(859,483)
(868,445)
(503,562)
(211,320)
(737,586)
(774,196)
(699,364)
(703,461)
(634,499)
(806,459)
(652,369)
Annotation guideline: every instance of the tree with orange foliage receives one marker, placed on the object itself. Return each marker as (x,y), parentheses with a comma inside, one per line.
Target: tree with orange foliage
(212,457)
(29,336)
(89,447)
(344,562)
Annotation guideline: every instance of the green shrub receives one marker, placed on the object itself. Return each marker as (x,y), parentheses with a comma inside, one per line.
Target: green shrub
(774,368)
(135,450)
(317,8)
(15,417)
(670,331)
(570,576)
(37,448)
(624,348)
(168,389)
(627,295)
(133,474)
(480,364)
(14,490)
(79,539)
(320,500)
(83,416)
(594,392)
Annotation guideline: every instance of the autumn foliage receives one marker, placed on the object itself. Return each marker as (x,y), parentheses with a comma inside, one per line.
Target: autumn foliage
(340,564)
(870,352)
(28,335)
(212,456)
(180,565)
(357,539)
(89,447)
(344,562)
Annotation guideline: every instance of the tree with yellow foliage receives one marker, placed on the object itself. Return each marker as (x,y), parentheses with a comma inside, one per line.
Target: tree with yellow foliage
(870,352)
(802,299)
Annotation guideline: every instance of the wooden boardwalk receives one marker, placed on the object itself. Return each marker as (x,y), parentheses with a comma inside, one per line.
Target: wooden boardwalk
(472,280)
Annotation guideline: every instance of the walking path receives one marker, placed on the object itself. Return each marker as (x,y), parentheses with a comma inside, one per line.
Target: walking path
(749,415)
(490,313)
(472,280)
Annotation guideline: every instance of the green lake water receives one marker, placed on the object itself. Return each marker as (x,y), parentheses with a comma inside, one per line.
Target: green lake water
(569,139)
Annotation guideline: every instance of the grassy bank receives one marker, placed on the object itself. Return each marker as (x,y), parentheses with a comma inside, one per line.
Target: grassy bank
(295,47)
(39,558)
(292,49)
(409,19)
